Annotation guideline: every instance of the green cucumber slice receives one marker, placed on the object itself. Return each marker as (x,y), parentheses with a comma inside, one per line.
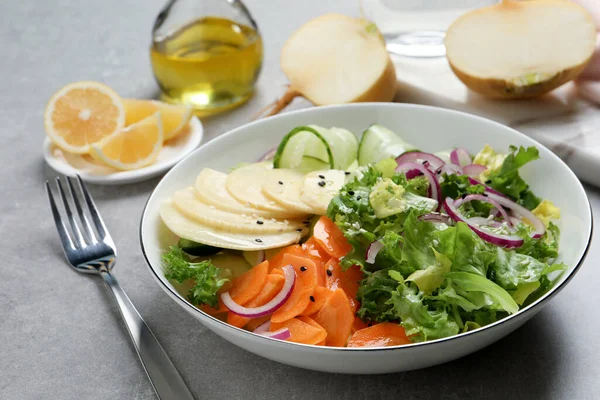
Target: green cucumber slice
(301,142)
(197,249)
(343,144)
(311,148)
(378,142)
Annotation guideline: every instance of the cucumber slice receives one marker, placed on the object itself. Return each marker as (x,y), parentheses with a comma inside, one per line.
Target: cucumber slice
(230,265)
(301,142)
(378,142)
(312,148)
(343,144)
(197,249)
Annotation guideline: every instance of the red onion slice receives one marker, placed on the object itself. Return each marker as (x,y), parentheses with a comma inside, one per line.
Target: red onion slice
(460,156)
(271,306)
(474,170)
(508,241)
(281,334)
(372,251)
(538,226)
(434,191)
(490,222)
(434,162)
(487,199)
(449,169)
(437,218)
(262,328)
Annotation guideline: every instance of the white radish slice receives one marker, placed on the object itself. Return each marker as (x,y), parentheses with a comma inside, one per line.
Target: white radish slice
(520,49)
(211,189)
(188,204)
(189,229)
(283,187)
(319,187)
(245,185)
(336,59)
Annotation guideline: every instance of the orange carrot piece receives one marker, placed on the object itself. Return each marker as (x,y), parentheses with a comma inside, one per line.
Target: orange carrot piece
(337,318)
(332,278)
(358,324)
(248,286)
(276,262)
(256,322)
(322,342)
(348,280)
(221,308)
(273,285)
(306,281)
(321,294)
(380,335)
(314,249)
(301,331)
(331,238)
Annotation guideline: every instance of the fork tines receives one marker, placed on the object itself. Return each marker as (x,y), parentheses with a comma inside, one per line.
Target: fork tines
(82,234)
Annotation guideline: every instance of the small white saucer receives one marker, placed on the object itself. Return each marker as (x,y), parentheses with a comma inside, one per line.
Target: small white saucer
(94,172)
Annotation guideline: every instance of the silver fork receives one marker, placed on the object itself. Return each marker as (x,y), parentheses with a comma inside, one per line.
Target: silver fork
(95,253)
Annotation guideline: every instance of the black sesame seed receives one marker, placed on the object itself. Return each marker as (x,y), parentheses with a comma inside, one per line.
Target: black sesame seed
(464,195)
(358,197)
(485,194)
(488,181)
(425,162)
(346,172)
(303,268)
(329,273)
(258,240)
(439,171)
(259,222)
(322,176)
(351,192)
(281,183)
(312,298)
(322,183)
(299,230)
(369,324)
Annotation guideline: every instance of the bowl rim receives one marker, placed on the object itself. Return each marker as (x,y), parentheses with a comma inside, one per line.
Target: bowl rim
(530,308)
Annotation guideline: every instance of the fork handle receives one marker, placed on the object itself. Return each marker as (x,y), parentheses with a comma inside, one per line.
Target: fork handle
(164,377)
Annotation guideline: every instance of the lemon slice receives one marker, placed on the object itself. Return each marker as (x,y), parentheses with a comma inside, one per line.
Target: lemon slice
(134,147)
(83,113)
(174,117)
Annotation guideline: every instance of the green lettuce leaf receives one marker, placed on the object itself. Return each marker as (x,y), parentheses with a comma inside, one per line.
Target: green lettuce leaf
(507,180)
(465,249)
(203,275)
(374,294)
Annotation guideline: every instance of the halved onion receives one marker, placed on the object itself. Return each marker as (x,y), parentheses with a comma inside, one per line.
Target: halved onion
(271,306)
(508,241)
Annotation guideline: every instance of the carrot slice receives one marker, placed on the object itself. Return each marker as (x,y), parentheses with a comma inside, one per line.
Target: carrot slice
(358,324)
(306,281)
(322,342)
(256,322)
(314,249)
(248,286)
(337,318)
(321,294)
(301,331)
(221,308)
(273,285)
(331,238)
(348,280)
(276,262)
(380,335)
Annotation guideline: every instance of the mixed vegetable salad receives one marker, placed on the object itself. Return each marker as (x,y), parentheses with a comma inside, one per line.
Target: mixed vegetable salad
(328,240)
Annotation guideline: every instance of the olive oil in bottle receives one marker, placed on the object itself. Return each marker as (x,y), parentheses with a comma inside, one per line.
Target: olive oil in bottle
(211,63)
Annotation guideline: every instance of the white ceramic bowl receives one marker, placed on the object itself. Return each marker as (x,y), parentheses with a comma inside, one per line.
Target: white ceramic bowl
(430,129)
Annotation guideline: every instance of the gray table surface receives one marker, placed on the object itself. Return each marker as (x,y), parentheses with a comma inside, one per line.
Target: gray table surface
(61,336)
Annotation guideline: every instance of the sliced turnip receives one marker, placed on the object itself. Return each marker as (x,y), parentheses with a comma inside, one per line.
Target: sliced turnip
(336,59)
(520,49)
